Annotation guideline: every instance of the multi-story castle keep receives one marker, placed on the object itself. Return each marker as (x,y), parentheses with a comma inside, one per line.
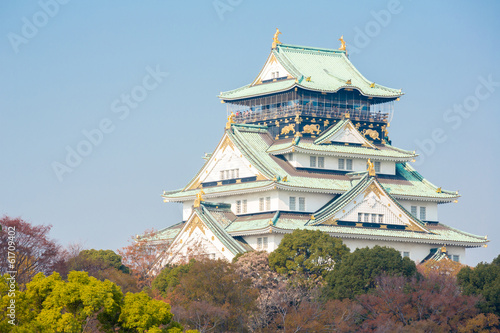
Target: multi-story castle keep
(306,146)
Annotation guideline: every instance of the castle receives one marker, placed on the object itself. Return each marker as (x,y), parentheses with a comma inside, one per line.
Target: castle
(306,146)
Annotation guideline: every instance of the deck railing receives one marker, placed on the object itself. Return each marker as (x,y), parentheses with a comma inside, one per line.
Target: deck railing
(250,116)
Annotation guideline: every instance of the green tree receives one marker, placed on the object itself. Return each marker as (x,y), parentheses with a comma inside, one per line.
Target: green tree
(356,273)
(308,252)
(483,280)
(104,265)
(169,278)
(90,260)
(82,304)
(140,313)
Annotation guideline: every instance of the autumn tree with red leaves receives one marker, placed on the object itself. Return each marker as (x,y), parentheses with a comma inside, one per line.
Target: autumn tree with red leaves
(140,257)
(30,247)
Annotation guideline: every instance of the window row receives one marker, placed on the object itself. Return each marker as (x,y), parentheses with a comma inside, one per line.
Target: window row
(264,204)
(229,174)
(241,206)
(423,212)
(343,164)
(370,218)
(293,204)
(317,162)
(262,243)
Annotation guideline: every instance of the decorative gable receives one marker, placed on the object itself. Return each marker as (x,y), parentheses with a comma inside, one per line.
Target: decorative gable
(369,206)
(197,237)
(344,132)
(272,70)
(227,162)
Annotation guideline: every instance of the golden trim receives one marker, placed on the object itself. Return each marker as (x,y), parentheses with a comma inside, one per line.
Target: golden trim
(275,38)
(373,188)
(342,43)
(371,169)
(199,199)
(195,222)
(230,120)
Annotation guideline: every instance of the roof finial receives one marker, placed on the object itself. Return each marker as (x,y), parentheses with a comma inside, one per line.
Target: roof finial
(275,38)
(371,168)
(230,120)
(342,43)
(199,198)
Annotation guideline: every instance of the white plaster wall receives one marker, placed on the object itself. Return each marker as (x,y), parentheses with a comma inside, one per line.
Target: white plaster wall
(430,207)
(187,207)
(227,159)
(252,201)
(314,201)
(199,241)
(417,251)
(300,160)
(273,241)
(279,201)
(274,67)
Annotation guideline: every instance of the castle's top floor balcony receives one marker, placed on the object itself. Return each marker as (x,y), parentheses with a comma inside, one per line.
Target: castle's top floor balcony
(370,113)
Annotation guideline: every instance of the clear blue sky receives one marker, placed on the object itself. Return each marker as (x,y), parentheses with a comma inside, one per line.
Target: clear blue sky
(71,71)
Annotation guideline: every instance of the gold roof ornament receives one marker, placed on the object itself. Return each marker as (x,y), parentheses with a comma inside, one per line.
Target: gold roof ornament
(439,190)
(312,217)
(348,81)
(285,179)
(371,168)
(308,79)
(342,43)
(275,38)
(199,198)
(372,85)
(443,249)
(230,120)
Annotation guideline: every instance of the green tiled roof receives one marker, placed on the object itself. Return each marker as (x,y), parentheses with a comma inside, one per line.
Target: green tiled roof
(227,189)
(307,146)
(253,146)
(441,234)
(206,215)
(331,131)
(328,69)
(253,142)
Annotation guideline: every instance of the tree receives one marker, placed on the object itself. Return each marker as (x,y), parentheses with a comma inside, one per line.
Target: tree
(211,295)
(83,304)
(140,313)
(483,280)
(140,257)
(444,266)
(94,260)
(308,252)
(356,273)
(104,264)
(169,278)
(399,303)
(29,248)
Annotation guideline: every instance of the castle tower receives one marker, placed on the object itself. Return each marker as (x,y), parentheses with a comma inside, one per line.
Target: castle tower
(306,146)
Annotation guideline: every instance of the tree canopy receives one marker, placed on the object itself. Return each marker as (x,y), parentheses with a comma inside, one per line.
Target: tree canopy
(356,273)
(309,252)
(483,280)
(82,304)
(34,251)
